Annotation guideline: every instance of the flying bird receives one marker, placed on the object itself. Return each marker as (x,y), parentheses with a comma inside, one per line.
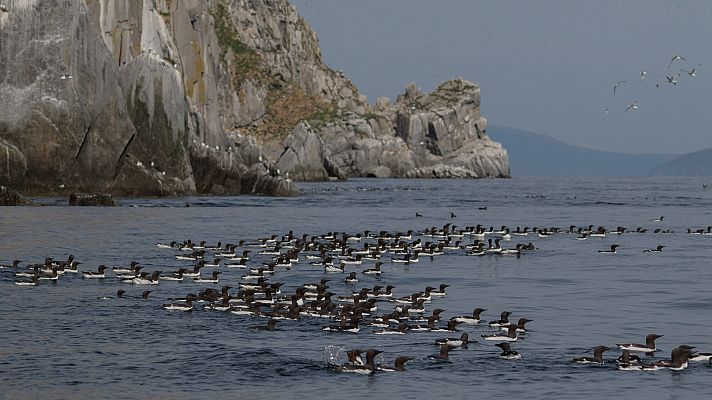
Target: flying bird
(675,57)
(643,75)
(616,86)
(692,72)
(671,79)
(632,106)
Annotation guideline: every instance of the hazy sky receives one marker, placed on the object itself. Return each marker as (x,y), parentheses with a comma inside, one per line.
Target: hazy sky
(544,66)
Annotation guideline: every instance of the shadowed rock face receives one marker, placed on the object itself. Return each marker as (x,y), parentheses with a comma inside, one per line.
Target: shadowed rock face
(159,97)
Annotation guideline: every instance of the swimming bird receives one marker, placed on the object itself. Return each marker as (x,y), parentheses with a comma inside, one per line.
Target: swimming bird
(440,291)
(177,276)
(452,215)
(269,327)
(444,353)
(471,320)
(648,347)
(146,279)
(511,335)
(400,330)
(679,358)
(612,250)
(145,294)
(397,365)
(351,278)
(14,265)
(376,270)
(367,368)
(507,352)
(701,357)
(629,362)
(463,340)
(187,306)
(658,249)
(417,215)
(597,356)
(335,268)
(32,282)
(354,356)
(503,320)
(95,275)
(519,325)
(674,58)
(214,278)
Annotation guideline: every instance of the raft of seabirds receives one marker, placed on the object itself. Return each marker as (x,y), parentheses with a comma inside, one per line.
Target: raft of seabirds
(258,296)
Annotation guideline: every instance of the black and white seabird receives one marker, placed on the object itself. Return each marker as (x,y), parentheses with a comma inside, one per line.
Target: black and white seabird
(648,347)
(658,249)
(511,335)
(629,362)
(612,250)
(471,320)
(187,306)
(398,365)
(507,352)
(597,356)
(367,368)
(502,321)
(95,275)
(354,356)
(463,340)
(351,278)
(444,353)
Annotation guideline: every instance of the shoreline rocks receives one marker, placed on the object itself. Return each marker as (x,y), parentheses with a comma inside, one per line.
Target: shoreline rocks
(9,197)
(92,200)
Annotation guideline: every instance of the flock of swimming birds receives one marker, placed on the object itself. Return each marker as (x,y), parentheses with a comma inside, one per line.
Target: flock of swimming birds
(257,295)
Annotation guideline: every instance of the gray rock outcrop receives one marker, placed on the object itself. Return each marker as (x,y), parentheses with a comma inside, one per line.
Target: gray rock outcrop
(435,135)
(161,97)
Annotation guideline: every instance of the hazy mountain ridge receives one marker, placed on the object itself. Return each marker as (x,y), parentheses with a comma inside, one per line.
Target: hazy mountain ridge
(534,154)
(698,163)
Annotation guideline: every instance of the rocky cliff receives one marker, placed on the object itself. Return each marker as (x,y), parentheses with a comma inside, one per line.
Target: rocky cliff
(161,97)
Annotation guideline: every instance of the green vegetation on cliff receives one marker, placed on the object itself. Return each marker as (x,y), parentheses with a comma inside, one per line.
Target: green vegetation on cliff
(245,63)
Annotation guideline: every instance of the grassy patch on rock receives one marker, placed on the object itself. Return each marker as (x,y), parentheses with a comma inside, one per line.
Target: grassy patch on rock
(289,104)
(242,61)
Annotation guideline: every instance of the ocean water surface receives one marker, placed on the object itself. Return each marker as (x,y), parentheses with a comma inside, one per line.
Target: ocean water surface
(61,341)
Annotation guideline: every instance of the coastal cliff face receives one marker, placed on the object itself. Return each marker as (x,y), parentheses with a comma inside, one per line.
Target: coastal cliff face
(162,97)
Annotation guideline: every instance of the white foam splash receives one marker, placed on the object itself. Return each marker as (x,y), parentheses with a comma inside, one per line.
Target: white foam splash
(334,355)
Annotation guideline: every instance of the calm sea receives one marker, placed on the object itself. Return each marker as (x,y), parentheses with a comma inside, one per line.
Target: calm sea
(60,341)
